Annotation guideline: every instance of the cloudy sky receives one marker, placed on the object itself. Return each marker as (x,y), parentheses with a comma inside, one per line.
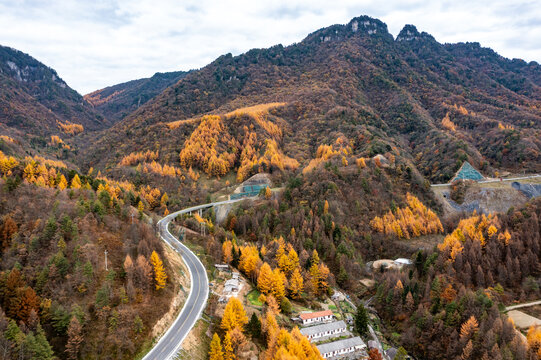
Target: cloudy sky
(93,44)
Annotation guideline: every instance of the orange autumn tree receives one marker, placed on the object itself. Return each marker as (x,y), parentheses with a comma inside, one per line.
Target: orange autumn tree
(135,157)
(283,344)
(411,221)
(227,250)
(234,315)
(216,351)
(533,339)
(469,328)
(159,272)
(249,260)
(206,147)
(480,228)
(296,284)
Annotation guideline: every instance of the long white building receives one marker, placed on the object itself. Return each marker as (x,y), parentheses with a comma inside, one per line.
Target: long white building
(341,347)
(336,328)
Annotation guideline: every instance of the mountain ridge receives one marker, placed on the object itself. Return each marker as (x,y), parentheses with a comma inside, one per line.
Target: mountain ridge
(351,66)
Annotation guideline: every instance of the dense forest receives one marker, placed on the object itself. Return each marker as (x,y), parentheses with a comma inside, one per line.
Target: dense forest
(56,297)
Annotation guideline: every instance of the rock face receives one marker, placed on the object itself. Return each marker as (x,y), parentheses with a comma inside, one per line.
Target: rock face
(530,190)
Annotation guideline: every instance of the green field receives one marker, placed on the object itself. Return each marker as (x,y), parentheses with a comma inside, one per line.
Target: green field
(253,298)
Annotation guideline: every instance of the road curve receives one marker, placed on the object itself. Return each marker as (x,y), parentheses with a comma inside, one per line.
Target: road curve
(519,306)
(170,342)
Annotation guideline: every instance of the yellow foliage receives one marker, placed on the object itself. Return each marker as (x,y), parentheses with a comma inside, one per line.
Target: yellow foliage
(533,339)
(63,183)
(76,182)
(216,351)
(360,162)
(151,195)
(285,345)
(159,272)
(249,260)
(7,163)
(57,141)
(447,123)
(7,138)
(505,127)
(296,284)
(157,168)
(326,152)
(201,148)
(227,250)
(480,228)
(234,315)
(70,128)
(260,113)
(411,221)
(135,157)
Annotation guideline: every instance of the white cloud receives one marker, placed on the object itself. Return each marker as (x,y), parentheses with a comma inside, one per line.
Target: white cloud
(93,44)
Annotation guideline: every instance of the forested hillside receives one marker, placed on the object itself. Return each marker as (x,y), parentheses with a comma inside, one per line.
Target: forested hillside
(117,101)
(38,109)
(57,299)
(411,93)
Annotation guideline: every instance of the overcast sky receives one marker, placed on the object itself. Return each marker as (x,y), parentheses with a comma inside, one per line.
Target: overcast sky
(96,43)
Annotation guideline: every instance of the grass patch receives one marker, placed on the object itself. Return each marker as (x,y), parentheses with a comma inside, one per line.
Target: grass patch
(253,297)
(333,308)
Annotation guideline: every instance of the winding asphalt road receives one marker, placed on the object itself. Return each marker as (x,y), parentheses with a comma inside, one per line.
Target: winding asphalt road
(170,342)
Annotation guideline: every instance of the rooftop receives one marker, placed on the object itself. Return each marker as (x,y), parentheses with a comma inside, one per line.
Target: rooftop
(306,316)
(340,344)
(312,330)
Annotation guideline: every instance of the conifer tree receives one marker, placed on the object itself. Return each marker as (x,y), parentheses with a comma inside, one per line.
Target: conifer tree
(361,320)
(216,351)
(159,272)
(296,284)
(228,347)
(76,182)
(63,183)
(234,315)
(75,338)
(265,279)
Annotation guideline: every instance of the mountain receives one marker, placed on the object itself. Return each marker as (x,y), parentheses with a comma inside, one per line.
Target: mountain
(36,103)
(434,104)
(117,101)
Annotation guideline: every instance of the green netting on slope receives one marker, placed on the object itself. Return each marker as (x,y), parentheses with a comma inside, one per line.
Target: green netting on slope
(467,172)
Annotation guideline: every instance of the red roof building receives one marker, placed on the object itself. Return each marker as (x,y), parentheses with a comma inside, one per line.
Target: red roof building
(314,317)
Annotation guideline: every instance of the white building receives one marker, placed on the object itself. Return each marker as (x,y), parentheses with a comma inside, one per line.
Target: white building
(231,285)
(315,317)
(336,328)
(341,347)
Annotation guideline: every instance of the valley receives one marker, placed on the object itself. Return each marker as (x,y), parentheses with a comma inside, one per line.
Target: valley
(352,195)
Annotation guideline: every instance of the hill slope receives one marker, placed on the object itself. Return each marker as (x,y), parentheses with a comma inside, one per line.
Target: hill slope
(410,93)
(117,101)
(36,103)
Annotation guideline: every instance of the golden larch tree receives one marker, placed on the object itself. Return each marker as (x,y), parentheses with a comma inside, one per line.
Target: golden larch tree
(216,352)
(63,183)
(159,272)
(265,279)
(234,315)
(76,182)
(296,284)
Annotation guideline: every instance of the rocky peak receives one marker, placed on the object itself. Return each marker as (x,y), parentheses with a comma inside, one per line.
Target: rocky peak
(408,33)
(366,24)
(362,25)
